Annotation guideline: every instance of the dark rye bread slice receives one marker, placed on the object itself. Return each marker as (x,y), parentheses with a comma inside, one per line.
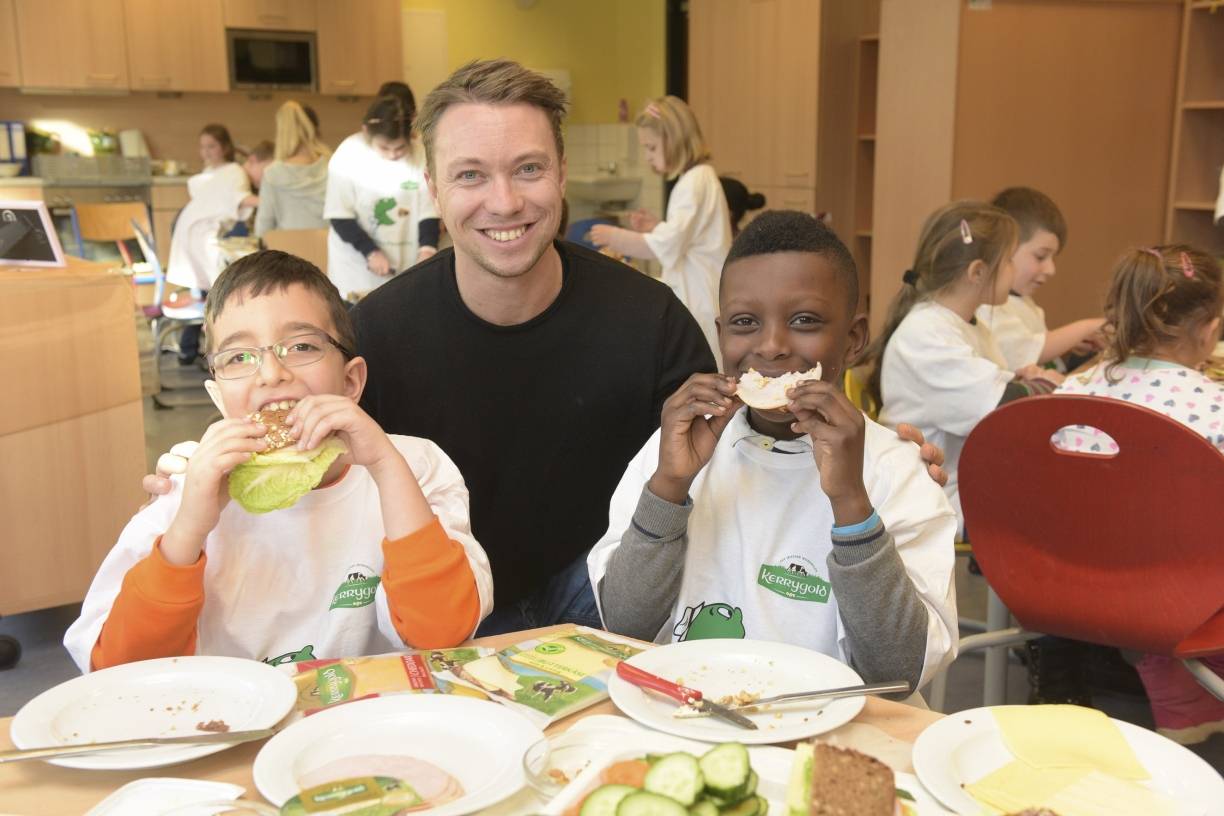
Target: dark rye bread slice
(848,783)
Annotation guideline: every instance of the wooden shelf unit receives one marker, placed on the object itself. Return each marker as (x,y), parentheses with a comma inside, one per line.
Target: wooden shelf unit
(1198,131)
(866,82)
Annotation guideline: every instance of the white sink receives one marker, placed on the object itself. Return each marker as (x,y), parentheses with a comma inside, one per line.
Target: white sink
(602,188)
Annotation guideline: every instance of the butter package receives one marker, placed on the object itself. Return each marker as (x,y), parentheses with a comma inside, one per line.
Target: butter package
(325,683)
(551,677)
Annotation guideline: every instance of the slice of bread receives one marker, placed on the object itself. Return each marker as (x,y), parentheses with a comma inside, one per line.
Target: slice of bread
(846,782)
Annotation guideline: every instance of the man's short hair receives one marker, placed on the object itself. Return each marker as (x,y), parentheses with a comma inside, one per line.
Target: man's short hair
(491,82)
(1033,210)
(792,231)
(271,270)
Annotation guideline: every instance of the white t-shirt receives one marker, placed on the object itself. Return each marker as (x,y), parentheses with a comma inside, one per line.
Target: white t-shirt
(942,374)
(692,243)
(195,258)
(389,199)
(1174,390)
(760,533)
(305,577)
(1019,329)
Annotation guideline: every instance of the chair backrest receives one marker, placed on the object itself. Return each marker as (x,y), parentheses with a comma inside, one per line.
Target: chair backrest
(112,222)
(310,244)
(1122,550)
(144,240)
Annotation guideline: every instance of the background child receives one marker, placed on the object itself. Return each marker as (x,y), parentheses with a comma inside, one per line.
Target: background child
(294,185)
(1018,324)
(936,366)
(220,196)
(793,524)
(1163,321)
(378,556)
(382,217)
(692,241)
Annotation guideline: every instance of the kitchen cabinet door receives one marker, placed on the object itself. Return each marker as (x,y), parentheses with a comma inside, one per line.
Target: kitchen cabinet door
(10,66)
(798,55)
(78,44)
(359,46)
(176,45)
(720,86)
(275,15)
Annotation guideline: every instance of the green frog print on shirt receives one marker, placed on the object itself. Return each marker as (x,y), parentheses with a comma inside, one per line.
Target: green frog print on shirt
(710,620)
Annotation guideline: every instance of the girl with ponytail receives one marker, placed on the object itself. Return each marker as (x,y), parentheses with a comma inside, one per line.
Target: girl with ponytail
(1162,322)
(935,365)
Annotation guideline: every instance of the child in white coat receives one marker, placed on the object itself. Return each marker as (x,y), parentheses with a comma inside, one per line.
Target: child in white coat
(693,240)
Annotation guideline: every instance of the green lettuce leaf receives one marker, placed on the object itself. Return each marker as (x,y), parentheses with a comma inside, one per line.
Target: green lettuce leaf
(276,480)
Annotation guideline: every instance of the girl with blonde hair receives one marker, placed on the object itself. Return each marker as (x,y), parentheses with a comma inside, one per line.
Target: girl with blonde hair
(693,239)
(295,183)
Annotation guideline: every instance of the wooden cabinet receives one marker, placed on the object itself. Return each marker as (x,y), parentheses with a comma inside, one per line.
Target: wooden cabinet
(1197,169)
(359,45)
(176,45)
(168,199)
(276,15)
(754,75)
(75,44)
(10,65)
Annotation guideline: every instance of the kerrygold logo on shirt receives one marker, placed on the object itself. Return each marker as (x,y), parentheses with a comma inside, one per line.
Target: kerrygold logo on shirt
(357,588)
(795,578)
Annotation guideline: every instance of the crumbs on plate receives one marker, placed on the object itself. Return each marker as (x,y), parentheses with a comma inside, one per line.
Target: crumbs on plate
(215,726)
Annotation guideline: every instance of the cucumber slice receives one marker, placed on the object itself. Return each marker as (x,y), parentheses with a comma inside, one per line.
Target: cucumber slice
(749,807)
(677,776)
(645,803)
(726,769)
(704,807)
(603,800)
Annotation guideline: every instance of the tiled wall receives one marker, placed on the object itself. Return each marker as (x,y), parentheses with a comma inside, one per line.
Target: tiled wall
(590,149)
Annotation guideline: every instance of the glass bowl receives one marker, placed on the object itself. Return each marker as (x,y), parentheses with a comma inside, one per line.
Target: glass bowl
(551,764)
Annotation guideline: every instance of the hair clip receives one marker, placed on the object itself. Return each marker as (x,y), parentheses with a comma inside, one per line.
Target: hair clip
(910,277)
(1186,265)
(652,110)
(966,233)
(1153,252)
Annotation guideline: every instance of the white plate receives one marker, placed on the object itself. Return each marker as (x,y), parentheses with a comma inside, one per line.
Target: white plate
(723,667)
(479,743)
(155,796)
(772,764)
(166,697)
(965,746)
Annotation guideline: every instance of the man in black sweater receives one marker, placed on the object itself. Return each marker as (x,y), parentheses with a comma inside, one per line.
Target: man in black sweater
(539,366)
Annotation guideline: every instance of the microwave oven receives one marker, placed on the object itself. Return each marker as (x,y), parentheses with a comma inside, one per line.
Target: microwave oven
(271,60)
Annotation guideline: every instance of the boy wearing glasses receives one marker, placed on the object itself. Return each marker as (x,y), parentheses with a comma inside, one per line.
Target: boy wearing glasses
(380,555)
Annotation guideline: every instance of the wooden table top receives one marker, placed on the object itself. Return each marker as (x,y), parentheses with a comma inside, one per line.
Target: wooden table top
(33,787)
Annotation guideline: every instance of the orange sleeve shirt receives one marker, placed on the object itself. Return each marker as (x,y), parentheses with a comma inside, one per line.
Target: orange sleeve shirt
(431,593)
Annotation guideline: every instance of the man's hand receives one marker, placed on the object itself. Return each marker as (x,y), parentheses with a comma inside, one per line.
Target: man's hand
(932,455)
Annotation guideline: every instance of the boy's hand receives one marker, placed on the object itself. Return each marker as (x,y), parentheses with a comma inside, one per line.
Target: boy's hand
(319,416)
(225,445)
(931,454)
(837,428)
(687,438)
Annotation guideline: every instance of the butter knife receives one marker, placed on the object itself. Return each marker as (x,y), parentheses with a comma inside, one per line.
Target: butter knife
(56,751)
(681,694)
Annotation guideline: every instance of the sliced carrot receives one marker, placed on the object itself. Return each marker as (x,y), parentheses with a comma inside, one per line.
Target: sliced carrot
(627,772)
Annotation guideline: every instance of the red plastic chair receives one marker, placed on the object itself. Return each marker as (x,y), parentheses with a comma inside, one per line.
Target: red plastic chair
(1122,550)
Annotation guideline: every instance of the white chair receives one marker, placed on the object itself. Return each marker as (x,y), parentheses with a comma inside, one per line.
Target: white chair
(168,318)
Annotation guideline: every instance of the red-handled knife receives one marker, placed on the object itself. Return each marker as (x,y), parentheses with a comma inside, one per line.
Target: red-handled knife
(681,694)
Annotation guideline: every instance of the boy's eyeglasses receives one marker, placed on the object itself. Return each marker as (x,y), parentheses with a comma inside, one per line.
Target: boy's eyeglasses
(298,350)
